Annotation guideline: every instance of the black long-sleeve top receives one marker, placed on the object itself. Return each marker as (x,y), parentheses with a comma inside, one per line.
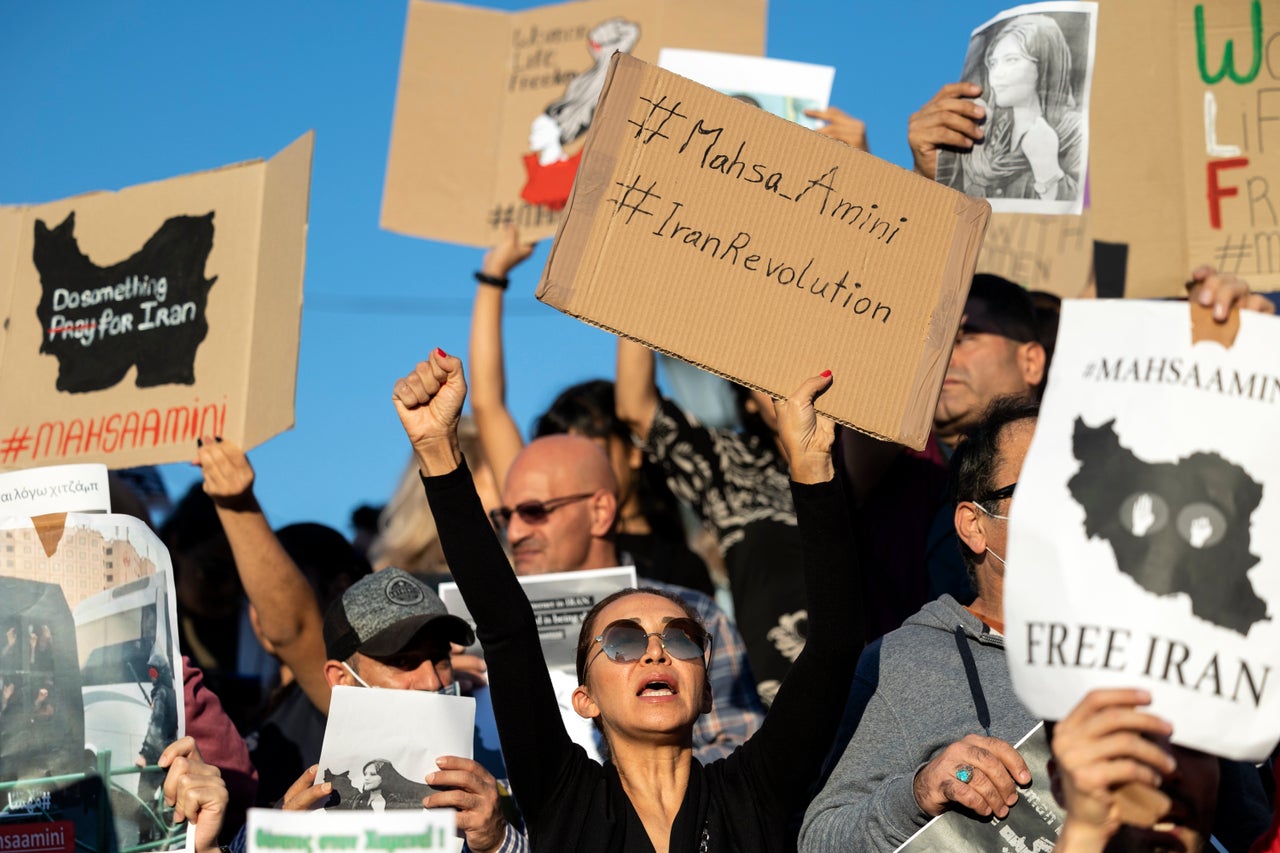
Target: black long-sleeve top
(739,803)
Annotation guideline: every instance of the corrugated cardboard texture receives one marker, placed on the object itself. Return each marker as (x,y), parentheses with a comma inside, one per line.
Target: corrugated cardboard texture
(460,137)
(765,252)
(1150,161)
(119,384)
(1049,253)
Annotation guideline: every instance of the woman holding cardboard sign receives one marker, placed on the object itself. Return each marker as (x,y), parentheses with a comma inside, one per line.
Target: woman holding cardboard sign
(642,665)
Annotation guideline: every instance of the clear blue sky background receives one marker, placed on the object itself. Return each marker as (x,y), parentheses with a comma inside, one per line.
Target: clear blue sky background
(105,95)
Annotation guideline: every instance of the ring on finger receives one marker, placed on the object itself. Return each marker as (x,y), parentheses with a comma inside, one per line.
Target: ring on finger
(965,773)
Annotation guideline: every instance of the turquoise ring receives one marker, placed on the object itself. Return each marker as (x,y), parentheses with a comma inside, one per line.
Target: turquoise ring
(965,773)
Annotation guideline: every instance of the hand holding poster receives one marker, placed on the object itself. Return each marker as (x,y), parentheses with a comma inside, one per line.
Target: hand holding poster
(705,228)
(1143,541)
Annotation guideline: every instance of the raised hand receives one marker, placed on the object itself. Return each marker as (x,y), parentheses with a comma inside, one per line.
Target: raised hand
(228,476)
(840,125)
(805,436)
(506,254)
(1224,291)
(196,791)
(429,401)
(949,120)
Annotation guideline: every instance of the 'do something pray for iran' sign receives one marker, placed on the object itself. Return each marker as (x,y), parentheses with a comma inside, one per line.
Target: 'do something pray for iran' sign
(1144,538)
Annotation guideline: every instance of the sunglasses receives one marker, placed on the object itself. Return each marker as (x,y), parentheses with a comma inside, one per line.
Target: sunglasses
(998,494)
(532,512)
(626,641)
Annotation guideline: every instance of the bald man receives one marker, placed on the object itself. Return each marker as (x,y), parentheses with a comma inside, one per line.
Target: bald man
(559,506)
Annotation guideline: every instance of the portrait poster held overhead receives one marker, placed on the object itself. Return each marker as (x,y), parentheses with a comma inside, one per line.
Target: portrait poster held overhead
(492,135)
(138,321)
(776,86)
(90,673)
(708,226)
(379,745)
(1034,64)
(1144,548)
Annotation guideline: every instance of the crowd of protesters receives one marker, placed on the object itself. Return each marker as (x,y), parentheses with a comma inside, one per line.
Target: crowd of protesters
(786,676)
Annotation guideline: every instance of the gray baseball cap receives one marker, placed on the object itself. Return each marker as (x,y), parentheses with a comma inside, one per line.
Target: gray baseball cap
(380,614)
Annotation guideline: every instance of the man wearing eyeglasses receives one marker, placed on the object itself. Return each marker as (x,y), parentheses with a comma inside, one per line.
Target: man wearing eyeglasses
(559,508)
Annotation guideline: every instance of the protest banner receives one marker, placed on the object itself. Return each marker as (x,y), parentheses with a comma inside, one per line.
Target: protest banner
(379,745)
(560,602)
(140,320)
(776,86)
(1144,547)
(1180,168)
(90,675)
(276,831)
(1049,253)
(764,252)
(493,135)
(1032,825)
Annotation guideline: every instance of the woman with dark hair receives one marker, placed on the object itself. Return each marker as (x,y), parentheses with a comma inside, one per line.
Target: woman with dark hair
(642,665)
(1033,146)
(384,788)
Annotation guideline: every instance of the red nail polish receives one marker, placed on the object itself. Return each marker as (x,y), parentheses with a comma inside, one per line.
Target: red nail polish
(441,353)
(826,374)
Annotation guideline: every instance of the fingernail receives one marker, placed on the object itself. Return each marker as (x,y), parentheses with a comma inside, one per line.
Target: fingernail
(1024,776)
(218,439)
(441,353)
(431,778)
(826,374)
(1206,298)
(979,112)
(199,442)
(327,787)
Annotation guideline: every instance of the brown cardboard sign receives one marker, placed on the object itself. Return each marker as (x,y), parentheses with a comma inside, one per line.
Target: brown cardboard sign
(140,320)
(1040,252)
(492,134)
(747,245)
(1181,166)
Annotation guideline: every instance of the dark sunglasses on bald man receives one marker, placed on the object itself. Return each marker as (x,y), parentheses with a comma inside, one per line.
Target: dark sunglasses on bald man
(626,641)
(533,512)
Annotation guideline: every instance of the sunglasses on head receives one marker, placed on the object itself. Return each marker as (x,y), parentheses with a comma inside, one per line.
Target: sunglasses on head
(533,512)
(626,641)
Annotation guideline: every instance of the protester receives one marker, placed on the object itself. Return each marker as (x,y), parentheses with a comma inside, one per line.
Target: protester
(196,792)
(652,791)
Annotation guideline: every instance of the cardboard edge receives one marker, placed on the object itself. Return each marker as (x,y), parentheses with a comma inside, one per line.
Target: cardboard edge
(49,528)
(972,216)
(1205,329)
(282,255)
(597,166)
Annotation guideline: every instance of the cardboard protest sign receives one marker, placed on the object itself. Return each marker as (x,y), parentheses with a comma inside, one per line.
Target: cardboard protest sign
(561,600)
(1034,64)
(1143,541)
(89,663)
(1032,825)
(1049,253)
(140,320)
(276,831)
(493,134)
(711,230)
(777,86)
(57,488)
(1182,167)
(379,745)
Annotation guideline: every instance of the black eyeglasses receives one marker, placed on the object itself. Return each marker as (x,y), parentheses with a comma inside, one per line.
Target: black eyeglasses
(998,494)
(533,512)
(626,641)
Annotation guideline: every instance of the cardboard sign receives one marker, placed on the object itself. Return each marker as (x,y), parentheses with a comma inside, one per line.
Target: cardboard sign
(138,321)
(1049,253)
(1032,825)
(275,831)
(1186,153)
(764,252)
(493,134)
(561,600)
(1144,546)
(89,664)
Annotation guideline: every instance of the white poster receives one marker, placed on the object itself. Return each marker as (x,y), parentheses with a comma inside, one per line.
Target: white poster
(777,86)
(275,831)
(379,745)
(1145,531)
(1035,66)
(560,602)
(55,488)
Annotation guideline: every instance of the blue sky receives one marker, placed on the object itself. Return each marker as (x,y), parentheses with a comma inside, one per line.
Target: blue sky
(105,95)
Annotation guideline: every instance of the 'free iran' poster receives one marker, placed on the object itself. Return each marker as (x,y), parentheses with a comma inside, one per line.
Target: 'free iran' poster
(1144,544)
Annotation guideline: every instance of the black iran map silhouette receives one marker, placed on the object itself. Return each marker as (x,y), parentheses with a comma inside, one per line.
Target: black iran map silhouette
(146,311)
(1175,527)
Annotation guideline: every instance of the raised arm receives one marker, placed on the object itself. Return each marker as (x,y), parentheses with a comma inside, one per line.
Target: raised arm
(951,119)
(534,743)
(286,607)
(636,389)
(499,435)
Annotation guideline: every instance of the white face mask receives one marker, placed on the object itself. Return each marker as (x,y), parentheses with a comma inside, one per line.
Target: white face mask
(990,514)
(454,689)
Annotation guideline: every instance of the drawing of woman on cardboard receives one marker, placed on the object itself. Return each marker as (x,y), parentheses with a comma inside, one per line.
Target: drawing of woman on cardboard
(1034,141)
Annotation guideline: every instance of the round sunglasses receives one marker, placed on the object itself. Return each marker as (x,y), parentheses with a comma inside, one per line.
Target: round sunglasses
(626,641)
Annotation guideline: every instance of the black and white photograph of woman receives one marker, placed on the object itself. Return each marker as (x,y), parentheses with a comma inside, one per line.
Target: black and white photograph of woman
(1034,64)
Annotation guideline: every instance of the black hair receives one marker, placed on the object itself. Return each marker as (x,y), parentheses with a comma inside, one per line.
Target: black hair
(753,423)
(973,465)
